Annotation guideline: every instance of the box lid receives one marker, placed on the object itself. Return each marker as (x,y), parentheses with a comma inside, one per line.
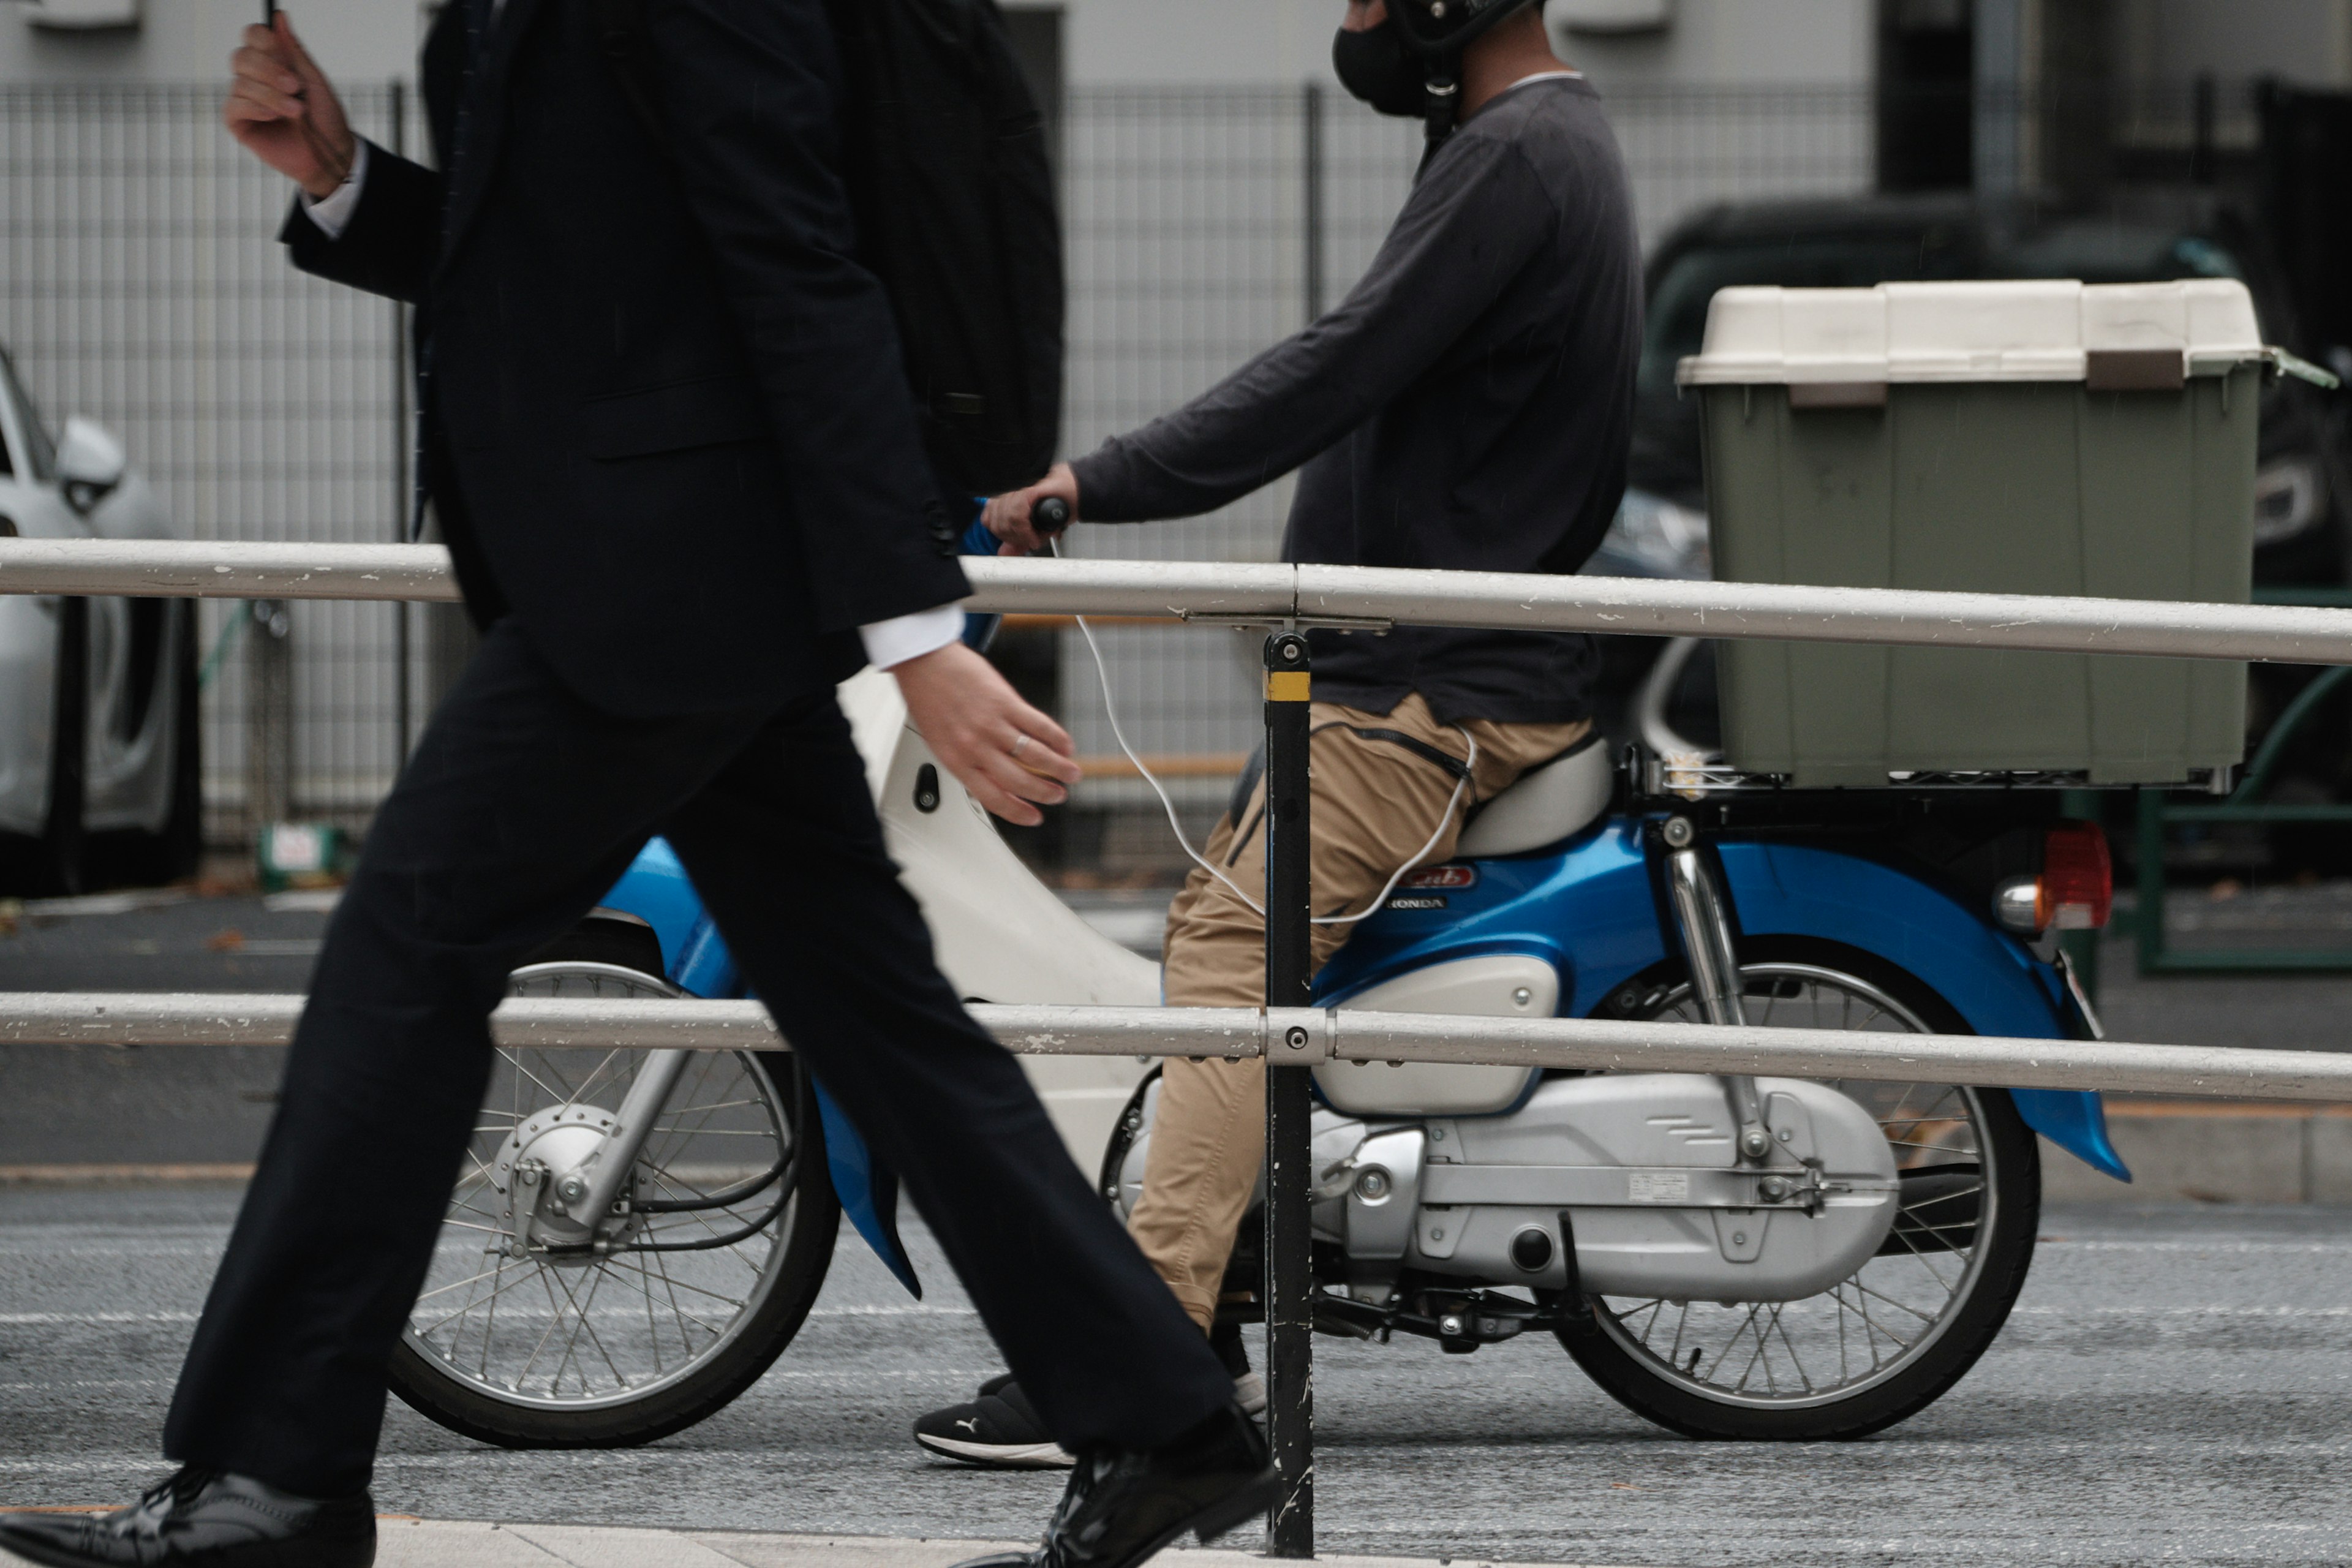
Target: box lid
(2121,334)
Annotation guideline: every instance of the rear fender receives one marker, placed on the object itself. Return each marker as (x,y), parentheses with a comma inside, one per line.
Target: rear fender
(1990,977)
(1591,907)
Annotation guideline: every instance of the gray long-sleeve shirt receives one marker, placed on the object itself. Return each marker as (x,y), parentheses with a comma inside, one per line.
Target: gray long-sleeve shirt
(1467,406)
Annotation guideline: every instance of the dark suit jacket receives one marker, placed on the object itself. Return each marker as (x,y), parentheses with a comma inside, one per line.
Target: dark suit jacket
(667,424)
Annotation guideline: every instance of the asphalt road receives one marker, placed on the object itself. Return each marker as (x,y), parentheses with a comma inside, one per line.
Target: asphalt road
(2176,1385)
(94,1105)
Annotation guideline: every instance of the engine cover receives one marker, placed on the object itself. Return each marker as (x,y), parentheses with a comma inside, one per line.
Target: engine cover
(1644,1165)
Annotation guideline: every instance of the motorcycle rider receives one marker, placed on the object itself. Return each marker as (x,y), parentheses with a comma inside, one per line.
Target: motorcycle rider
(1468,406)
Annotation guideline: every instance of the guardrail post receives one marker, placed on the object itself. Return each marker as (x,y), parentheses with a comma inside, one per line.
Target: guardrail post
(270,720)
(1289,1102)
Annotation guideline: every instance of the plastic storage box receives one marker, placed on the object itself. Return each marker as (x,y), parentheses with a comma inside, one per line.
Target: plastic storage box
(2018,438)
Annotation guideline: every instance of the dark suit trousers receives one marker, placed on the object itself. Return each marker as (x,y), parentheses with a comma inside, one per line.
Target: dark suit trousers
(520,807)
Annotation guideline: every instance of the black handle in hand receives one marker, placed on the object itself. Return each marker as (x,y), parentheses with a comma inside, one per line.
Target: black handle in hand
(1050,515)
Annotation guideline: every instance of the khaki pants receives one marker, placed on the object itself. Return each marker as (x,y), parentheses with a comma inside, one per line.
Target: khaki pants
(1377,798)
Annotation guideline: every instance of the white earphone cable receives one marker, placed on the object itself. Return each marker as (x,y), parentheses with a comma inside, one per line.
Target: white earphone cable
(1111,712)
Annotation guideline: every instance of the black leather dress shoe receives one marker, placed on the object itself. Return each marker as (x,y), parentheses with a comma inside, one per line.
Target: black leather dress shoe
(202,1519)
(1121,1507)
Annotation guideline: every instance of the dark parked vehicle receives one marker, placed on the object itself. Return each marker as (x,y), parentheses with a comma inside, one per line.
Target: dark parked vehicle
(99,777)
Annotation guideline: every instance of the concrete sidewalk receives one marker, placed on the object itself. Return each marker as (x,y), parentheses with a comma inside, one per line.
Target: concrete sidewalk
(445,1543)
(2213,1152)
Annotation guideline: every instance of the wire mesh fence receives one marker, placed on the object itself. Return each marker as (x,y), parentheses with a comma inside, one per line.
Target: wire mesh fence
(139,283)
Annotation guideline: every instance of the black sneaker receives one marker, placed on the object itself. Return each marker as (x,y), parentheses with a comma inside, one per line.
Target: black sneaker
(998,1430)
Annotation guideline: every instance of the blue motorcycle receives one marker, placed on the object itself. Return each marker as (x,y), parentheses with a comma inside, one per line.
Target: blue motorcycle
(638,1235)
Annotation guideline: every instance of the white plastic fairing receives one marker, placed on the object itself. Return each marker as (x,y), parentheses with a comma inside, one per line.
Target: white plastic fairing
(1000,934)
(1498,985)
(1655,1241)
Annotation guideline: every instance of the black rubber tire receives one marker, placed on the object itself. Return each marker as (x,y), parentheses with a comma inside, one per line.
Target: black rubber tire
(176,849)
(1632,1381)
(711,1387)
(51,863)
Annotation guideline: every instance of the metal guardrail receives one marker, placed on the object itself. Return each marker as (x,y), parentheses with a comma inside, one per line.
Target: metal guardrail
(1292,1038)
(1261,592)
(1297,1037)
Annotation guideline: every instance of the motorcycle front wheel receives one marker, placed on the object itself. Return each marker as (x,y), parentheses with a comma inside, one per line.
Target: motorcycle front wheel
(1893,1337)
(732,1228)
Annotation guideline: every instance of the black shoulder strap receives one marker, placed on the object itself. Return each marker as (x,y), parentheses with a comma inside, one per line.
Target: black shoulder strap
(621,30)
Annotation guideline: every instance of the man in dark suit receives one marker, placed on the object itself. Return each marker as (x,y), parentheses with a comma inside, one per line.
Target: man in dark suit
(674,455)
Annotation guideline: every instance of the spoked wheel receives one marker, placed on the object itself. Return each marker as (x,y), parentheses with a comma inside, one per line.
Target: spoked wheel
(532,1333)
(1891,1338)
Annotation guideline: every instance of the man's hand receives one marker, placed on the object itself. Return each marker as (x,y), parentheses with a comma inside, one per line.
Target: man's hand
(1007,515)
(1005,752)
(282,108)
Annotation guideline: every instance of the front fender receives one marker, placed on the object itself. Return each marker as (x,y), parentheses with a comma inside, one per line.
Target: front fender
(656,890)
(1987,974)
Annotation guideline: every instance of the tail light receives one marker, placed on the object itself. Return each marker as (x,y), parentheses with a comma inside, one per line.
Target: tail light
(2076,891)
(2076,888)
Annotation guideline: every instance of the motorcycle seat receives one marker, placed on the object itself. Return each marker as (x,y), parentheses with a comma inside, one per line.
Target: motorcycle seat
(1546,804)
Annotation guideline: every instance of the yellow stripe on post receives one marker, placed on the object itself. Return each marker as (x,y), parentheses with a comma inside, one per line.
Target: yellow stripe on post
(1287,685)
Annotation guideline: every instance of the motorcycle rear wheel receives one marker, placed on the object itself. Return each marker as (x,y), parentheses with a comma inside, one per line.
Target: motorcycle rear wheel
(1893,1338)
(619,1349)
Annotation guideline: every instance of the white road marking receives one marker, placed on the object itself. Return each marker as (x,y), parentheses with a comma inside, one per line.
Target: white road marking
(50,1319)
(2219,1247)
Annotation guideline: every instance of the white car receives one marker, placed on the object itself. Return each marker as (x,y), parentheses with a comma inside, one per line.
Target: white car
(100,774)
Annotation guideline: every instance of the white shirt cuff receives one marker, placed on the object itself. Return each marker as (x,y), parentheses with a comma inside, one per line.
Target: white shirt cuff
(333,212)
(895,641)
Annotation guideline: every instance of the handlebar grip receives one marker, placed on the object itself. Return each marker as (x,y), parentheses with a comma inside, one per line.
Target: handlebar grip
(1050,516)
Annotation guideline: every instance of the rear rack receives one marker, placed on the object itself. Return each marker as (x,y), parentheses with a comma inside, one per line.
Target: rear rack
(1697,777)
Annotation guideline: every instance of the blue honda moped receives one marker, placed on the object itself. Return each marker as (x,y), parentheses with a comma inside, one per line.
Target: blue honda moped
(1731,1257)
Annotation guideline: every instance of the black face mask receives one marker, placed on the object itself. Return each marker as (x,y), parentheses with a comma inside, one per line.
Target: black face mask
(1379,67)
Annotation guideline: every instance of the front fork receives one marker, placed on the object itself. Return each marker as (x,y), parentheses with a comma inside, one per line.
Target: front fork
(588,1191)
(1703,917)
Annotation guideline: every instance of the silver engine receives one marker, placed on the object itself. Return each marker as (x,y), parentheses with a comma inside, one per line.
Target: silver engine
(1643,1165)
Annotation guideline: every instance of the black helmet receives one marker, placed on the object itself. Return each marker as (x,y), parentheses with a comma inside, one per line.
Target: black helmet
(1444,28)
(1438,31)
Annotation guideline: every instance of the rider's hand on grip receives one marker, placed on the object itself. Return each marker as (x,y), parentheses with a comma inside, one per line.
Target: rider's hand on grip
(1025,518)
(1011,757)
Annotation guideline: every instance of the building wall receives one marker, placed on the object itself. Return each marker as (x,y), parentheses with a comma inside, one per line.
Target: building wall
(1110,42)
(187,41)
(1742,43)
(2306,41)
(1746,43)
